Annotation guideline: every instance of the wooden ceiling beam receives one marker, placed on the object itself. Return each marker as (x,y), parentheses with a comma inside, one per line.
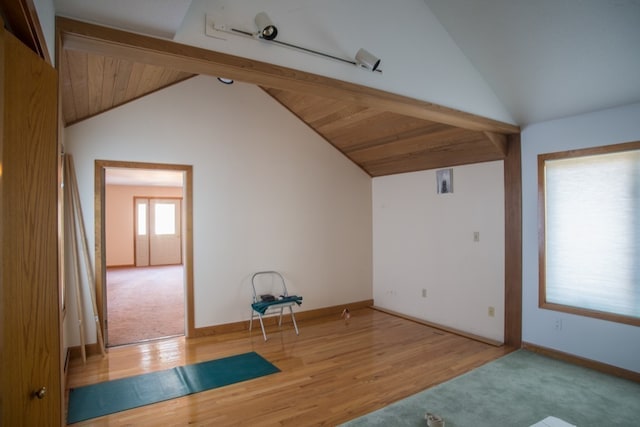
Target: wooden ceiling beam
(76,35)
(500,142)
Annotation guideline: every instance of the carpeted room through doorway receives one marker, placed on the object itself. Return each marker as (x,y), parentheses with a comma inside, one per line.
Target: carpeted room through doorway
(144,303)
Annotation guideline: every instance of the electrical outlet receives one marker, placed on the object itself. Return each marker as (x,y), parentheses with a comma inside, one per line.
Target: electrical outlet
(424,293)
(476,236)
(558,325)
(491,312)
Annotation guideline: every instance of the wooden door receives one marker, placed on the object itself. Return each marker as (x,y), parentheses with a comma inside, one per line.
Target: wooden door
(29,293)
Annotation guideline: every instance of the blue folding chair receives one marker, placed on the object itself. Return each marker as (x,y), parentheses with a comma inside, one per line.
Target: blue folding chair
(270,294)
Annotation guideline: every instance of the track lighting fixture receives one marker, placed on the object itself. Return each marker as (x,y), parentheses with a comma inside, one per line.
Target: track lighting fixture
(367,60)
(266,30)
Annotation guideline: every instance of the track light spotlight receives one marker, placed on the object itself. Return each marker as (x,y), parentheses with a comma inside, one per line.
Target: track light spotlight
(367,60)
(266,29)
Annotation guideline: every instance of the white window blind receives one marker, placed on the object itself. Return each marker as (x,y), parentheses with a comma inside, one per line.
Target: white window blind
(592,232)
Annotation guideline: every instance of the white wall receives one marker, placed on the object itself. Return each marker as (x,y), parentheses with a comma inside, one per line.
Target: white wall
(422,240)
(607,342)
(269,193)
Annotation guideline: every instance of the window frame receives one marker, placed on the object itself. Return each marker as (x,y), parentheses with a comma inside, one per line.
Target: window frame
(542,286)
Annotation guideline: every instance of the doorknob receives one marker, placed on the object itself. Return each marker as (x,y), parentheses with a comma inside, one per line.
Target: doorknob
(40,393)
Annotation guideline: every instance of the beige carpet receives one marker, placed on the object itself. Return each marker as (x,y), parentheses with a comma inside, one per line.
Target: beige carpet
(144,303)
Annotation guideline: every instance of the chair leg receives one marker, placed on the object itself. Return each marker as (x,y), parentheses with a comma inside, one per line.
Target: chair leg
(251,321)
(264,334)
(293,317)
(280,320)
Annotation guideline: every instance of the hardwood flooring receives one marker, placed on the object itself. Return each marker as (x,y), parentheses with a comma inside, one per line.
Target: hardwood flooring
(334,371)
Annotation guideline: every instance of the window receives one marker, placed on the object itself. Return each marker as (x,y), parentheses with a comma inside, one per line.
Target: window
(142,219)
(590,232)
(165,223)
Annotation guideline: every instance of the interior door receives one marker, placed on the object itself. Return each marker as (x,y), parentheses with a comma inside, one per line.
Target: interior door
(31,374)
(165,235)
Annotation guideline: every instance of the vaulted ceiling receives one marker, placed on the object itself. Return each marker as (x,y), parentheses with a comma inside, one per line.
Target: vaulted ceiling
(383,133)
(514,61)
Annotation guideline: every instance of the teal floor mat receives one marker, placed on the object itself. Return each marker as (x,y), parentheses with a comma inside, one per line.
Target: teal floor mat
(109,397)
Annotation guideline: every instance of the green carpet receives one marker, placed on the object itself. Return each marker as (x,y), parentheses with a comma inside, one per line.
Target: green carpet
(118,395)
(519,390)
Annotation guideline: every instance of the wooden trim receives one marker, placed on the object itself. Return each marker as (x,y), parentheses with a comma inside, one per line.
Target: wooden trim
(593,151)
(120,267)
(335,310)
(187,209)
(513,243)
(92,349)
(99,218)
(441,327)
(542,258)
(24,23)
(100,259)
(135,47)
(618,318)
(499,141)
(584,362)
(3,209)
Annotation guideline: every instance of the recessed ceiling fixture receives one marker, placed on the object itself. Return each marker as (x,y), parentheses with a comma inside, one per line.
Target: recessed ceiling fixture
(268,31)
(225,81)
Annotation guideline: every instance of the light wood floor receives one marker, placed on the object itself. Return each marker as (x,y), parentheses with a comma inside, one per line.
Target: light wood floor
(333,372)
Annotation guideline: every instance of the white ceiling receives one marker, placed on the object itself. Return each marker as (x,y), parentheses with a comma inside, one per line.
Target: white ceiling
(548,59)
(159,18)
(519,61)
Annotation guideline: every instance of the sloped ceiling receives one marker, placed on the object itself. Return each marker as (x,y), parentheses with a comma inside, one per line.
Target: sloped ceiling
(516,61)
(160,18)
(547,59)
(93,83)
(383,142)
(381,132)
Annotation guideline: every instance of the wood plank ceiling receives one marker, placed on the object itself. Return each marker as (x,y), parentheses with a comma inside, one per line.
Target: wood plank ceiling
(381,140)
(384,143)
(93,84)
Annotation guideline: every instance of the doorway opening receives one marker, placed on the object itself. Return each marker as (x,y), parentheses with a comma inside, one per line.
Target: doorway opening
(144,273)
